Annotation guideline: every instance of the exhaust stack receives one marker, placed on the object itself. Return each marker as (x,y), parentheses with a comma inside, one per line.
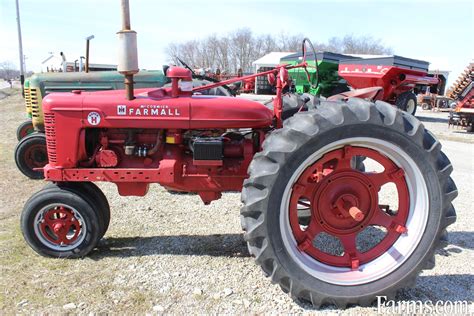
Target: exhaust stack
(128,54)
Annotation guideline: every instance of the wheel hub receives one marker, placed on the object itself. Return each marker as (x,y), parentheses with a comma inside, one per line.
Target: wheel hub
(60,226)
(345,201)
(36,156)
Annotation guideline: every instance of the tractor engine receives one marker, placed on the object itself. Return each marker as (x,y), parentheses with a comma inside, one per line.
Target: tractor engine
(191,143)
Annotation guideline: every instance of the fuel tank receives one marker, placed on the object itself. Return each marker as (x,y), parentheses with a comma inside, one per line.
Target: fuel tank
(154,108)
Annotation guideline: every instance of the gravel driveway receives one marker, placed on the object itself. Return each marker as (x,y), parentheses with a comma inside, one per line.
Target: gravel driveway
(171,253)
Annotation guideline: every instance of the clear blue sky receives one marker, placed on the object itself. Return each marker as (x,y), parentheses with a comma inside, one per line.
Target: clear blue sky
(437,31)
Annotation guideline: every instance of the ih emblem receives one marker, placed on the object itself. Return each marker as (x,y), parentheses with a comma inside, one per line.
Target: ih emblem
(121,110)
(93,118)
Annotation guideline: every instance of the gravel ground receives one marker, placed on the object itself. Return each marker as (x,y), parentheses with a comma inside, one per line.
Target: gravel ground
(170,253)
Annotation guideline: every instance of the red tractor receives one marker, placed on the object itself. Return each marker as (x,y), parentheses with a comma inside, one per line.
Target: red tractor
(300,178)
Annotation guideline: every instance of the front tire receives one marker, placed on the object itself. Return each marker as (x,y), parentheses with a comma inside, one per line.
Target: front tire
(24,129)
(406,101)
(60,223)
(30,153)
(90,192)
(303,164)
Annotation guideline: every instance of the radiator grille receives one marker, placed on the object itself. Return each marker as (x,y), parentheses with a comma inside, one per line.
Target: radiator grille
(50,130)
(28,100)
(35,110)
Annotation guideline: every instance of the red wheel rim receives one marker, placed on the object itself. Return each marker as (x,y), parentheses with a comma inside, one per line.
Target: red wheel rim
(36,156)
(25,131)
(344,202)
(60,226)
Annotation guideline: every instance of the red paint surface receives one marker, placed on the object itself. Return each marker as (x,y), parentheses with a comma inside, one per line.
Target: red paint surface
(344,202)
(394,80)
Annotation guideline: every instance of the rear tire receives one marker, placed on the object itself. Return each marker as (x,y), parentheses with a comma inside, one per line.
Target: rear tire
(407,102)
(60,223)
(31,153)
(312,136)
(24,129)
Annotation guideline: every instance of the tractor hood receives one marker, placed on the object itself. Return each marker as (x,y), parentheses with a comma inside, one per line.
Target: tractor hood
(153,108)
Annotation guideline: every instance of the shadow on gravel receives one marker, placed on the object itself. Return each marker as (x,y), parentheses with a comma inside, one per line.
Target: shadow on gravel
(453,287)
(225,245)
(433,119)
(461,239)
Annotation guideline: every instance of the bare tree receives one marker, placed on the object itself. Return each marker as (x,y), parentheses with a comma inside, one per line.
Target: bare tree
(290,43)
(351,44)
(8,70)
(240,48)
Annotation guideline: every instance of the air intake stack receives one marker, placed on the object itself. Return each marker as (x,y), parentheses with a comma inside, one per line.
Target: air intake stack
(128,54)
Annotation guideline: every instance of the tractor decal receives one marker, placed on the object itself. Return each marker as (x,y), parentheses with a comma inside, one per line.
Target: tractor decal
(93,118)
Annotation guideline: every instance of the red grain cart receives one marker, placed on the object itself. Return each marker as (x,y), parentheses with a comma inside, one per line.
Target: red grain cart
(397,78)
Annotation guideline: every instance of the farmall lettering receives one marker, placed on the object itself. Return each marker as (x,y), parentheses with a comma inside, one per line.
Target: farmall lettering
(148,110)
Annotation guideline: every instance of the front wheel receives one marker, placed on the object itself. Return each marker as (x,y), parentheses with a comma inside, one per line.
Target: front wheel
(93,194)
(31,154)
(370,231)
(24,129)
(60,223)
(407,102)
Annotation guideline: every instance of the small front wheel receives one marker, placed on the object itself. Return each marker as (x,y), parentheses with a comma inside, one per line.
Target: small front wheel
(59,223)
(24,129)
(93,194)
(31,153)
(407,102)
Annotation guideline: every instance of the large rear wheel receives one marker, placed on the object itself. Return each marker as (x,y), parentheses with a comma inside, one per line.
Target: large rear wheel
(369,232)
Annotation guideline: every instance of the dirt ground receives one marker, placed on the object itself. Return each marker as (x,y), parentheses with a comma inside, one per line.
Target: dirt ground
(170,253)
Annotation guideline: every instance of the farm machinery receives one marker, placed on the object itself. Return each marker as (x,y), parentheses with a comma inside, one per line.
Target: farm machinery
(330,83)
(393,79)
(30,152)
(299,177)
(463,92)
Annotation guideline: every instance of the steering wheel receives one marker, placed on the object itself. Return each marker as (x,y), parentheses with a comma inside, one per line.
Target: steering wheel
(185,65)
(304,52)
(195,75)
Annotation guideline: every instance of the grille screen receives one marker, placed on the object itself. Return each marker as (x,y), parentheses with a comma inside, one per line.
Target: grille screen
(35,111)
(50,130)
(28,100)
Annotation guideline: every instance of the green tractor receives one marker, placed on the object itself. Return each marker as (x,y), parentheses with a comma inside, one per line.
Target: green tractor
(30,152)
(329,81)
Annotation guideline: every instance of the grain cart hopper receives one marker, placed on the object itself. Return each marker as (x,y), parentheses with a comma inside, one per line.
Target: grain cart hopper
(330,82)
(399,79)
(298,180)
